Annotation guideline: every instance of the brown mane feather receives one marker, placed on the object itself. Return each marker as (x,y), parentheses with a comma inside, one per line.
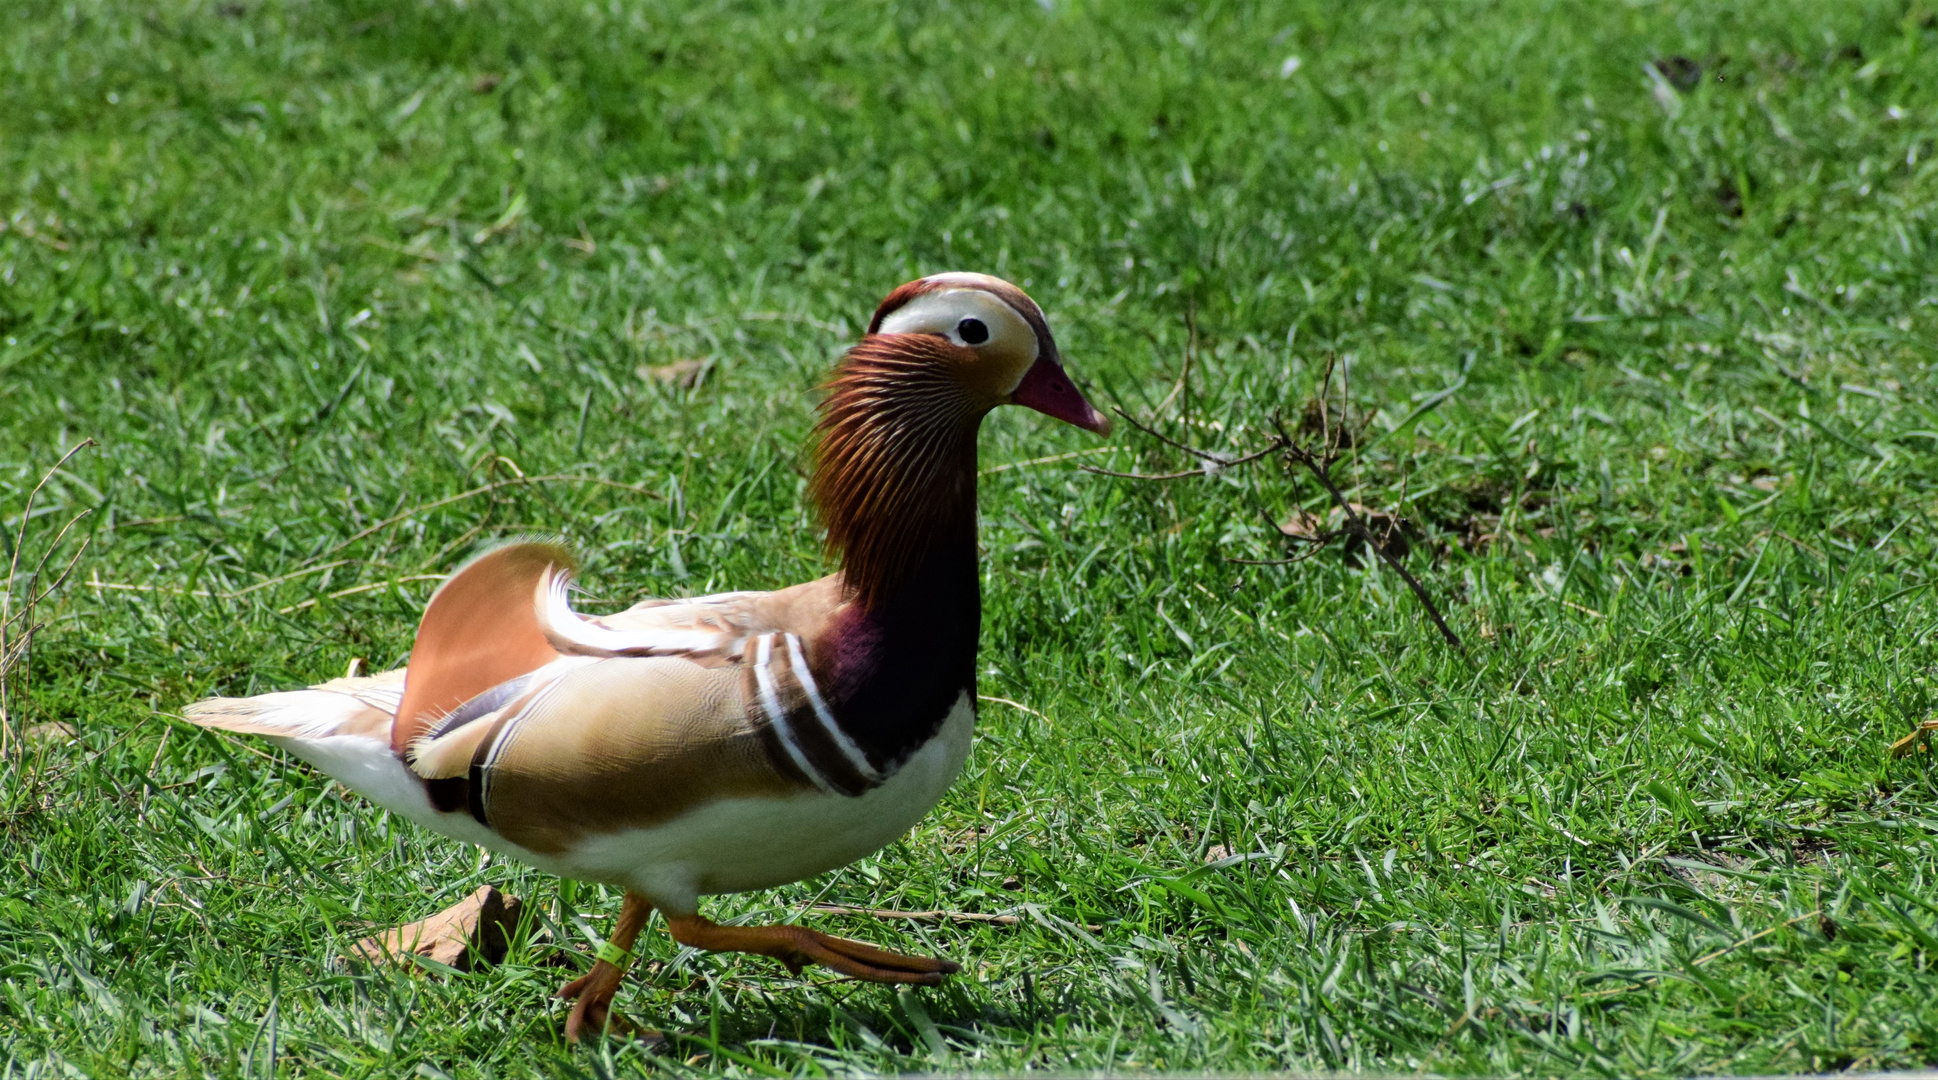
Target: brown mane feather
(895,472)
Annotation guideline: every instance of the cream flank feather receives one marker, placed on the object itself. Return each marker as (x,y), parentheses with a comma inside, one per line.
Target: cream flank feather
(723,743)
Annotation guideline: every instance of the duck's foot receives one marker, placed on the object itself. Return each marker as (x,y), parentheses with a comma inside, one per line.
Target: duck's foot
(594,991)
(797,947)
(592,1012)
(591,996)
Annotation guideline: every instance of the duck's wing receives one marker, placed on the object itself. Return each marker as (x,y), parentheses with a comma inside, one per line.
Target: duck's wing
(513,700)
(545,724)
(363,706)
(503,625)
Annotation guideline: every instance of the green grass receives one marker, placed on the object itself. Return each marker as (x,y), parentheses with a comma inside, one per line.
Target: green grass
(306,267)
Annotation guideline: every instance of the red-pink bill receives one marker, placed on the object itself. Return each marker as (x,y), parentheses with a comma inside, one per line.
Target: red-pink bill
(1048,390)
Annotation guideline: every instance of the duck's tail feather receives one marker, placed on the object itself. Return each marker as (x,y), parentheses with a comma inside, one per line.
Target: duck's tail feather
(342,727)
(351,706)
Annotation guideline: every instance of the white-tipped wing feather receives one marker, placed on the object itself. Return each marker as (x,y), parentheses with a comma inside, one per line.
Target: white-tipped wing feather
(342,727)
(703,628)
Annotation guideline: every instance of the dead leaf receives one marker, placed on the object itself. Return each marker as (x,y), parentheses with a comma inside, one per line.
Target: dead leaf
(1303,526)
(685,374)
(475,929)
(54,731)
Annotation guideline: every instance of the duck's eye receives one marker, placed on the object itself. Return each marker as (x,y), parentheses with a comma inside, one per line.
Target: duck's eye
(972,331)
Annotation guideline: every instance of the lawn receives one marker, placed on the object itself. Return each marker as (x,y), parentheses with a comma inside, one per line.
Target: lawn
(1642,352)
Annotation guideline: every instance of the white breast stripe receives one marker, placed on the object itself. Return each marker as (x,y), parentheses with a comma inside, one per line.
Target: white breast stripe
(770,702)
(848,748)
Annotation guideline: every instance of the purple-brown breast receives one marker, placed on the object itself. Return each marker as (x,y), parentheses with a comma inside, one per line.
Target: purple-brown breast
(894,669)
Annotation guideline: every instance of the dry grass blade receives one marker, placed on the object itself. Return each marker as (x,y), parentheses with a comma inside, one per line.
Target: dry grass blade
(17,628)
(484,489)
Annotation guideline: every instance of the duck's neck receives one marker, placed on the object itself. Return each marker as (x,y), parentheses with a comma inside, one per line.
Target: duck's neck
(895,476)
(895,481)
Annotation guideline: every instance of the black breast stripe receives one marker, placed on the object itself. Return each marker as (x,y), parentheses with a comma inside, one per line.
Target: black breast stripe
(784,703)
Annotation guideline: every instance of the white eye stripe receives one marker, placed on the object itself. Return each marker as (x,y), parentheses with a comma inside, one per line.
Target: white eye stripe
(941,313)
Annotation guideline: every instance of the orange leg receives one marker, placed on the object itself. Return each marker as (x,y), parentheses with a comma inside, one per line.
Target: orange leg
(594,989)
(797,947)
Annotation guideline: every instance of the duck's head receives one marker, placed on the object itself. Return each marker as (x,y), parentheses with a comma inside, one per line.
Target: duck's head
(896,464)
(991,338)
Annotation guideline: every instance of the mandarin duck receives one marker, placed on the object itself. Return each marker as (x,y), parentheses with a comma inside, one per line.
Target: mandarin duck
(724,743)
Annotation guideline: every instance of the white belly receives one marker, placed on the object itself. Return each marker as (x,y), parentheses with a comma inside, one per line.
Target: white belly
(738,845)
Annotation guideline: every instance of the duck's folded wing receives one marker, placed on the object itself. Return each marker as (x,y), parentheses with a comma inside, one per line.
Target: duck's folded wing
(542,723)
(708,630)
(507,616)
(545,724)
(619,743)
(482,630)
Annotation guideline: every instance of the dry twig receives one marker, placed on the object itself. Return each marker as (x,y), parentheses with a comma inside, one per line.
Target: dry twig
(1318,461)
(1320,466)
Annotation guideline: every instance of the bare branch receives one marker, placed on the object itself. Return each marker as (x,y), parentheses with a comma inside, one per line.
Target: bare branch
(1322,472)
(1325,412)
(1166,439)
(1249,458)
(1186,475)
(1319,463)
(1216,460)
